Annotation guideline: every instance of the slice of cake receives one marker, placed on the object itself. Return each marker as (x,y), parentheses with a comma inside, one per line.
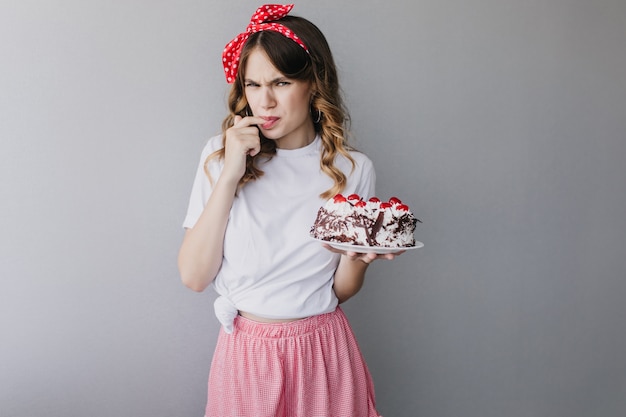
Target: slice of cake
(354,221)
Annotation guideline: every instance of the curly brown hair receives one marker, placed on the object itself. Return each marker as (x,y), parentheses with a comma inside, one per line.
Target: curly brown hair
(317,67)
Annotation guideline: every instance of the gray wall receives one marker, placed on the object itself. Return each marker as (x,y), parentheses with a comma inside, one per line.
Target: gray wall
(502,123)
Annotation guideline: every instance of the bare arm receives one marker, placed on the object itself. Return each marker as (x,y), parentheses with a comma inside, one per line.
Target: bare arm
(201,252)
(200,255)
(351,271)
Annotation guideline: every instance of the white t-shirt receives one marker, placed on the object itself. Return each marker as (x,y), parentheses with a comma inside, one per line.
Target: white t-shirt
(271,267)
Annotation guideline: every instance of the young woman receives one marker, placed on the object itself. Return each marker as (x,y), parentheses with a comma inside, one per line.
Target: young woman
(285,347)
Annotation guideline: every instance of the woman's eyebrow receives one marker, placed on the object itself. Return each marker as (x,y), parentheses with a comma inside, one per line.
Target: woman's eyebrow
(274,81)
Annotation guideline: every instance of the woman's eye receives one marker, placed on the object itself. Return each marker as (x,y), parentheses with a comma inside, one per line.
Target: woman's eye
(251,84)
(282,83)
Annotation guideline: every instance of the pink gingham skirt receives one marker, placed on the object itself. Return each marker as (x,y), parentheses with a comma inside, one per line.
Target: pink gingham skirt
(306,368)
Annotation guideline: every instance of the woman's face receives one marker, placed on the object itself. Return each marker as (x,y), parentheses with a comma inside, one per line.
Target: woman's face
(282,102)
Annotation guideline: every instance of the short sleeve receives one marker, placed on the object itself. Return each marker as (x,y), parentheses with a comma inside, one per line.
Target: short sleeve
(202,188)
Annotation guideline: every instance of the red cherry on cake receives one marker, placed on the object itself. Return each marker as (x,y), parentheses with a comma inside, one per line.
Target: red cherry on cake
(385,205)
(374,200)
(354,197)
(360,203)
(395,200)
(339,199)
(402,207)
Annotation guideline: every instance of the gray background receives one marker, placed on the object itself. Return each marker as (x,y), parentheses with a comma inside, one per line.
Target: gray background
(502,123)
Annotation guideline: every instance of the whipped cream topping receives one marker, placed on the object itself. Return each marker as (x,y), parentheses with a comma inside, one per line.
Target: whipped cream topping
(368,223)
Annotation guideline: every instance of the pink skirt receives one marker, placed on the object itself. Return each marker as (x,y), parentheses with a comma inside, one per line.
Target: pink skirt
(306,368)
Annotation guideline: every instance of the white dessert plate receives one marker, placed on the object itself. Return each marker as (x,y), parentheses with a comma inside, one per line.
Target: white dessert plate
(368,249)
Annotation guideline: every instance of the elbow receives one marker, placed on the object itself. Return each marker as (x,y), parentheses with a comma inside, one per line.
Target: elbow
(343,296)
(343,299)
(194,285)
(193,280)
(346,290)
(193,276)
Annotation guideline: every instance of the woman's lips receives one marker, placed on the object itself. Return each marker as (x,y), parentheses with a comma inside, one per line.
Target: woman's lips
(269,121)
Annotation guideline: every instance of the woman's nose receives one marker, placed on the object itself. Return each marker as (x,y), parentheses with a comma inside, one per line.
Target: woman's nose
(267,99)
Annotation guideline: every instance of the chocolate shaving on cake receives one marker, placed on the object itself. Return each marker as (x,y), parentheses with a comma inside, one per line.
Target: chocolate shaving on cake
(373,223)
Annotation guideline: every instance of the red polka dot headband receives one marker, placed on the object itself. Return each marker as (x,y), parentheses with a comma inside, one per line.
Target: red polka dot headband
(263,19)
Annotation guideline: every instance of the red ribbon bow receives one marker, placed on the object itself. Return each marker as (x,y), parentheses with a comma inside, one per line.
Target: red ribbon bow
(263,19)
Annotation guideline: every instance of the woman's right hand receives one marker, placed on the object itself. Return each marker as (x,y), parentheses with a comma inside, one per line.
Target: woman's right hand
(242,139)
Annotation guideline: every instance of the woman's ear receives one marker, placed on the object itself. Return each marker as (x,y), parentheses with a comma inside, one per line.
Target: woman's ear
(313,90)
(313,95)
